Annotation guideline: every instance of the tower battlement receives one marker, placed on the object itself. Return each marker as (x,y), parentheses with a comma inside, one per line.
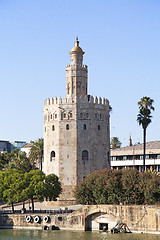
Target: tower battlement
(83,66)
(79,100)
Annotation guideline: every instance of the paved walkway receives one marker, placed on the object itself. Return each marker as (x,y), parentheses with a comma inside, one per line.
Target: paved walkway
(37,206)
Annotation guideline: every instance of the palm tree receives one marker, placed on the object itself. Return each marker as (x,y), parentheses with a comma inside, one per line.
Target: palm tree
(144,119)
(19,160)
(36,152)
(115,143)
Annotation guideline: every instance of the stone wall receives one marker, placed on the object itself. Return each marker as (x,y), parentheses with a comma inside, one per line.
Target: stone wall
(137,218)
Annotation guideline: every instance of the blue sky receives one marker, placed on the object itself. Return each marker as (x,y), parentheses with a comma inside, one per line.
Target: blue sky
(121,40)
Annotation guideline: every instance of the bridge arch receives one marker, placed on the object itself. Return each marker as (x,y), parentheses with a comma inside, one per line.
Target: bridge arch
(98,220)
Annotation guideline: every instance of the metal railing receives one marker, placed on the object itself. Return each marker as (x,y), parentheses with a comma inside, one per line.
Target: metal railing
(49,211)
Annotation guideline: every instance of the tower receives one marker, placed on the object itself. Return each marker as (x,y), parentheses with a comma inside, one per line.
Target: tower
(76,129)
(76,73)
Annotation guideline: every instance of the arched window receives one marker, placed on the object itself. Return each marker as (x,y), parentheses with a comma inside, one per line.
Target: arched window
(99,127)
(53,127)
(64,115)
(67,127)
(84,155)
(84,126)
(52,156)
(51,116)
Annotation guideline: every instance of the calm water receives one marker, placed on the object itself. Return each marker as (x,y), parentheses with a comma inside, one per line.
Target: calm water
(70,235)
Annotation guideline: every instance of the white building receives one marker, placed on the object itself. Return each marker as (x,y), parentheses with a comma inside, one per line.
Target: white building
(26,148)
(132,156)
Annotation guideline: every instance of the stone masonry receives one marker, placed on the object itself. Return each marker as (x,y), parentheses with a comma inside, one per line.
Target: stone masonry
(142,218)
(76,129)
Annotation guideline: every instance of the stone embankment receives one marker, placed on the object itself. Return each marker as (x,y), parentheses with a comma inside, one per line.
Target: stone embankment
(90,217)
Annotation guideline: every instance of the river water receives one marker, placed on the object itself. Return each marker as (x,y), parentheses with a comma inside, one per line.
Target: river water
(15,234)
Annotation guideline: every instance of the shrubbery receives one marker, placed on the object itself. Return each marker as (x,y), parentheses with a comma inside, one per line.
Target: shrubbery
(119,186)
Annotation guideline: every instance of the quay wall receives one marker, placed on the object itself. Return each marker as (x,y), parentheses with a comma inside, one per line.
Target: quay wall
(142,218)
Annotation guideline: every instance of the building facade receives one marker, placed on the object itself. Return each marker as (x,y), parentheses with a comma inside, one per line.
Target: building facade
(132,157)
(6,146)
(76,128)
(27,147)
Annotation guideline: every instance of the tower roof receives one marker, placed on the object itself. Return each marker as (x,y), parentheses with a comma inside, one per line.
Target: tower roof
(76,48)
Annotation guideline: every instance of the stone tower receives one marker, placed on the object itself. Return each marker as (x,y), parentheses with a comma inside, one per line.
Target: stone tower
(76,129)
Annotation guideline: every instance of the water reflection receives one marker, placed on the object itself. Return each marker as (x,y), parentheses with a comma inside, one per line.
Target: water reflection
(15,234)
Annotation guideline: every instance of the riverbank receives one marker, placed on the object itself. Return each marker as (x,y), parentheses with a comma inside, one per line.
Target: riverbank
(140,218)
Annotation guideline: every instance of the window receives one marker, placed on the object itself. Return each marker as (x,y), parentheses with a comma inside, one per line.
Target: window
(55,115)
(100,116)
(86,115)
(71,115)
(129,157)
(64,115)
(81,115)
(51,116)
(84,155)
(53,127)
(67,127)
(84,126)
(99,128)
(52,156)
(95,115)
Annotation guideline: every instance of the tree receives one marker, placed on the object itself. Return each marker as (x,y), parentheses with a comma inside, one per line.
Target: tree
(144,119)
(36,152)
(34,186)
(52,187)
(19,161)
(115,143)
(41,187)
(11,186)
(4,160)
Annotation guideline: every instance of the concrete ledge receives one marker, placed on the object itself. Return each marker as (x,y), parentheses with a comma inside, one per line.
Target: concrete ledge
(142,218)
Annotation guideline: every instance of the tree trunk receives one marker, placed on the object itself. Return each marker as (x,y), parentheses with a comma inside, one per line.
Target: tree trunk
(12,208)
(144,148)
(41,163)
(32,204)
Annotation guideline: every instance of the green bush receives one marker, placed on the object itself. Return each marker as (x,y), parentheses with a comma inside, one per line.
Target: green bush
(119,186)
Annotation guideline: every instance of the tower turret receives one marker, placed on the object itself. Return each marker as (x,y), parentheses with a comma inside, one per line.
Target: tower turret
(76,73)
(130,141)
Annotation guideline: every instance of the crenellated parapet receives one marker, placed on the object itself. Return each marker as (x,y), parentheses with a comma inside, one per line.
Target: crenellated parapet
(83,66)
(87,100)
(59,100)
